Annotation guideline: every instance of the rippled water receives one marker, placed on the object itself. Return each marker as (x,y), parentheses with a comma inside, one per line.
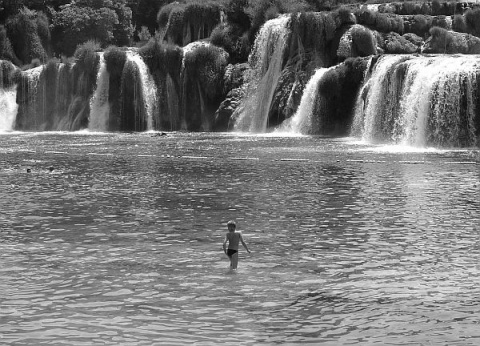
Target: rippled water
(121,244)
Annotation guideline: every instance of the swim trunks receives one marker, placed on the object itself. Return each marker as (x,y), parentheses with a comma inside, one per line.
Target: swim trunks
(231,252)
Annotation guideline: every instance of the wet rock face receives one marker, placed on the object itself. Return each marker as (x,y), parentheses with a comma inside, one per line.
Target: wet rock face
(223,116)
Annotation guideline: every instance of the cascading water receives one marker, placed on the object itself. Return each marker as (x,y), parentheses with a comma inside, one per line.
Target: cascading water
(33,116)
(265,61)
(301,121)
(187,50)
(420,100)
(8,108)
(148,87)
(99,105)
(8,99)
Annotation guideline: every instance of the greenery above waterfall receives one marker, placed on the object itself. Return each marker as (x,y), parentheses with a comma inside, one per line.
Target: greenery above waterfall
(32,29)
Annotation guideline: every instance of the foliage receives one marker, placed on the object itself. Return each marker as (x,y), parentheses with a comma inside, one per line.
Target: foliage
(183,23)
(104,21)
(164,14)
(383,22)
(263,10)
(123,31)
(396,44)
(444,41)
(207,65)
(115,59)
(232,38)
(22,30)
(86,55)
(235,11)
(162,57)
(144,34)
(364,41)
(144,12)
(6,49)
(472,18)
(74,25)
(459,24)
(7,74)
(420,25)
(440,40)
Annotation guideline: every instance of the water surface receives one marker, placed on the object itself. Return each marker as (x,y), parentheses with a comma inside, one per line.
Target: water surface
(121,244)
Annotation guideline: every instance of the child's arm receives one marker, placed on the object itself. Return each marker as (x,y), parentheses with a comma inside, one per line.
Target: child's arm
(225,244)
(243,243)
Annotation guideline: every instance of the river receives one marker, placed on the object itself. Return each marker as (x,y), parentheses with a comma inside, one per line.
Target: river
(121,243)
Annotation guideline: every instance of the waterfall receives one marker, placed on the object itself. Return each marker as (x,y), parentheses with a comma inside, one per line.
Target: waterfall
(265,61)
(195,96)
(8,108)
(32,103)
(148,87)
(99,105)
(301,122)
(420,101)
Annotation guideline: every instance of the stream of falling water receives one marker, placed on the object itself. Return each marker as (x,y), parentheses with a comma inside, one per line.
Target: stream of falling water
(99,105)
(266,67)
(149,89)
(8,108)
(420,101)
(301,121)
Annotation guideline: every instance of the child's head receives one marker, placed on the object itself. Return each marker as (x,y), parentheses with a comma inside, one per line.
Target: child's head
(231,225)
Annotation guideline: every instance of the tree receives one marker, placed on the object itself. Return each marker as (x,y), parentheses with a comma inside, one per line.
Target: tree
(23,32)
(74,25)
(104,21)
(144,13)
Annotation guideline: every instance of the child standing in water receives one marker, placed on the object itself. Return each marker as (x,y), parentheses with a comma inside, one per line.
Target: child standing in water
(233,238)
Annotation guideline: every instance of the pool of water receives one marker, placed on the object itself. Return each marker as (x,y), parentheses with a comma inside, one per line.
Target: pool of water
(121,244)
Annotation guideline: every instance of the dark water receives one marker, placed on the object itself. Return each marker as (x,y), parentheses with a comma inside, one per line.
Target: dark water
(122,243)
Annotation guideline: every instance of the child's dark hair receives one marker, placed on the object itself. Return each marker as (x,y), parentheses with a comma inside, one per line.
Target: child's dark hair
(231,223)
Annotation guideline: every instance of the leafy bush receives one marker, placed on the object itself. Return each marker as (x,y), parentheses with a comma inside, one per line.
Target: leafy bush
(43,30)
(163,15)
(185,23)
(459,24)
(174,30)
(6,49)
(363,41)
(162,57)
(115,59)
(441,39)
(440,21)
(396,44)
(344,16)
(77,23)
(86,55)
(144,34)
(207,64)
(22,30)
(420,25)
(389,23)
(235,11)
(472,18)
(7,74)
(366,17)
(232,39)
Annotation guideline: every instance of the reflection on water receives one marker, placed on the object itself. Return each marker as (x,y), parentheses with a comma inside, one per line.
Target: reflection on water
(121,243)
